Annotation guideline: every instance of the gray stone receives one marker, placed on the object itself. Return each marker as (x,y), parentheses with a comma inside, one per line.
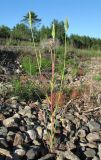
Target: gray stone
(92,145)
(93,137)
(60,157)
(90,153)
(9,122)
(32,154)
(18,139)
(3,131)
(94,126)
(20,152)
(5,88)
(48,157)
(69,155)
(16,115)
(10,136)
(95,158)
(32,134)
(2,70)
(26,112)
(99,150)
(40,132)
(81,133)
(3,143)
(5,152)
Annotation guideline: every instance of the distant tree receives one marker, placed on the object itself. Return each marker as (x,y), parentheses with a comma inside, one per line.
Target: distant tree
(4,32)
(45,32)
(34,17)
(21,32)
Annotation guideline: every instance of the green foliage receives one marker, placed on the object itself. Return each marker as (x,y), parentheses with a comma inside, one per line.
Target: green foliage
(28,65)
(44,33)
(27,90)
(74,71)
(45,64)
(16,86)
(34,18)
(21,32)
(60,52)
(88,53)
(97,77)
(23,90)
(4,32)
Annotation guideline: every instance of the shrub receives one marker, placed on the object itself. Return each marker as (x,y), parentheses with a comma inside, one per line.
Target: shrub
(27,90)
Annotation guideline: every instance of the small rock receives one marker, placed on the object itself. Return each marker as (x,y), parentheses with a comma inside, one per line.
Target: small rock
(81,133)
(32,134)
(92,145)
(94,126)
(26,112)
(14,103)
(10,136)
(67,154)
(93,137)
(36,143)
(39,130)
(20,152)
(48,157)
(3,143)
(95,158)
(2,117)
(99,150)
(70,145)
(70,155)
(3,131)
(14,98)
(9,122)
(16,115)
(18,140)
(5,152)
(32,154)
(90,152)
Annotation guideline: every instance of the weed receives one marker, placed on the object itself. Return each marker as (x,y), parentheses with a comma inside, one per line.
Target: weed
(16,86)
(28,65)
(97,77)
(38,54)
(26,90)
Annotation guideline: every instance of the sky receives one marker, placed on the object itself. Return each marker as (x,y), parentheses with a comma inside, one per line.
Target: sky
(84,16)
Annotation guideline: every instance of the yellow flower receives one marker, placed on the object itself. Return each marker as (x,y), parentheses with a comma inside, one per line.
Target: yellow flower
(53,31)
(30,19)
(66,25)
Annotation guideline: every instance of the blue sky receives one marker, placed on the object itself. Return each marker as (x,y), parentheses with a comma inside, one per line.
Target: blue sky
(84,15)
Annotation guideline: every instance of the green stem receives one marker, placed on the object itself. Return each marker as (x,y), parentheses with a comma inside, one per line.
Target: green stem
(30,66)
(38,63)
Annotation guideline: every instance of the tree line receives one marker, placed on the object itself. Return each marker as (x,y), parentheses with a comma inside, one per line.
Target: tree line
(21,32)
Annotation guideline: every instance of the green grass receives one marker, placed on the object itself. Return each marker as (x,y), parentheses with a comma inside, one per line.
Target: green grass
(97,77)
(45,63)
(28,65)
(88,52)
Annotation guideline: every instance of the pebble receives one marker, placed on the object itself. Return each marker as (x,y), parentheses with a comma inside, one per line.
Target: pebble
(90,153)
(94,126)
(93,137)
(20,152)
